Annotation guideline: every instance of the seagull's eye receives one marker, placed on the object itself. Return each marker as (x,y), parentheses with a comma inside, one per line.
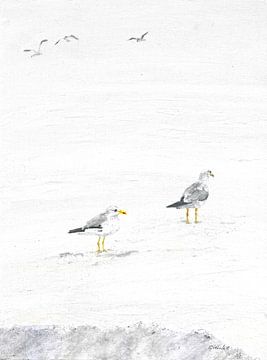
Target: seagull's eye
(115,210)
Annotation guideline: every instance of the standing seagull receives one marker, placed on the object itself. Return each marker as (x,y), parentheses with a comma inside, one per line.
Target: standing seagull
(140,38)
(67,38)
(38,52)
(195,195)
(104,224)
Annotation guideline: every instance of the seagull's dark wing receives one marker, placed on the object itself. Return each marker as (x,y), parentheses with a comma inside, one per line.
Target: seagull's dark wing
(74,37)
(96,222)
(192,195)
(42,43)
(144,35)
(177,204)
(132,38)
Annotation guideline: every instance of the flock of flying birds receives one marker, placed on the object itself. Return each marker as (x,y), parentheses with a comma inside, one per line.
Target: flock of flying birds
(107,223)
(66,38)
(69,38)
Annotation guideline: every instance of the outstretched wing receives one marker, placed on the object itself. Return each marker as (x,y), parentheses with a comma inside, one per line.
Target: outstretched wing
(195,192)
(132,38)
(42,43)
(57,41)
(74,37)
(144,35)
(96,222)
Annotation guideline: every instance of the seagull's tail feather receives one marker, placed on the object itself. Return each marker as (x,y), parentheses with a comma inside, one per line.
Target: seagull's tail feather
(177,204)
(81,229)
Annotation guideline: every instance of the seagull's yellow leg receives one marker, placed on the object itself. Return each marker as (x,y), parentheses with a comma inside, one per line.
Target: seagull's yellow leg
(103,244)
(196,219)
(187,216)
(98,244)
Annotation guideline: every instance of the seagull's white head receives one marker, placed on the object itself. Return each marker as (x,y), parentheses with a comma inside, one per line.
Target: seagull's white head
(115,211)
(205,175)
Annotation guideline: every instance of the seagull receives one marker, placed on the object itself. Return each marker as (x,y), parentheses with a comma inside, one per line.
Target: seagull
(194,196)
(67,38)
(104,224)
(140,38)
(38,52)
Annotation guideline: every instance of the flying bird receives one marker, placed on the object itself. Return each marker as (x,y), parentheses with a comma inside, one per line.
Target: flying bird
(140,38)
(36,52)
(67,38)
(194,196)
(102,225)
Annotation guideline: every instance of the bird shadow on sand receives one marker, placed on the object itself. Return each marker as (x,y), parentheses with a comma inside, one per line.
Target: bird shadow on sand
(111,255)
(115,254)
(92,258)
(70,255)
(126,253)
(67,257)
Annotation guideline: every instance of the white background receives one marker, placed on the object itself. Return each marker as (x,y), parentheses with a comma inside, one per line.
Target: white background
(108,121)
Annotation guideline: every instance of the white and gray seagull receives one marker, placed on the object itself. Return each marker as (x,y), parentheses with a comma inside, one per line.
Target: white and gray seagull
(36,52)
(102,225)
(67,38)
(194,196)
(141,38)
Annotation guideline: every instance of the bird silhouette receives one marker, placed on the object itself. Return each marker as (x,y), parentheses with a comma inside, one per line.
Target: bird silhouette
(141,38)
(67,38)
(36,52)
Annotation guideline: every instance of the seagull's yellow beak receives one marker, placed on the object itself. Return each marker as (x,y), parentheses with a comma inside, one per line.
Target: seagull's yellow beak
(123,212)
(211,174)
